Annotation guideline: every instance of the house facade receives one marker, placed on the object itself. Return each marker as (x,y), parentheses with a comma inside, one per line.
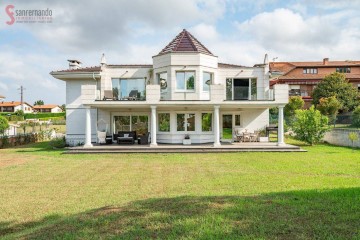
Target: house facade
(185,92)
(48,108)
(302,77)
(14,106)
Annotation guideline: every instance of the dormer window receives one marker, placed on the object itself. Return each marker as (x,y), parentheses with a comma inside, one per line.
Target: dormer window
(343,70)
(310,71)
(185,81)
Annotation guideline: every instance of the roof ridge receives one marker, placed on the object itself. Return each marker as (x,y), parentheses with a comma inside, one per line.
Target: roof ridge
(199,42)
(179,41)
(191,42)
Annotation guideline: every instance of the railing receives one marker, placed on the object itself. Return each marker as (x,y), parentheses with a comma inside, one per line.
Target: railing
(298,92)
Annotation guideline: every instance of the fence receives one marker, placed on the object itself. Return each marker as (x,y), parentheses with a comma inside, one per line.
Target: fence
(340,137)
(22,139)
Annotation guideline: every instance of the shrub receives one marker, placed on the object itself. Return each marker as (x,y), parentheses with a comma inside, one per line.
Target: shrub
(355,117)
(58,142)
(310,126)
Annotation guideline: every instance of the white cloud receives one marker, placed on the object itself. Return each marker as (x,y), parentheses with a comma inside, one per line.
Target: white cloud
(294,37)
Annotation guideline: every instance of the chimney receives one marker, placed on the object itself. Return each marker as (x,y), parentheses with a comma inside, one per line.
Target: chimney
(74,64)
(103,60)
(325,61)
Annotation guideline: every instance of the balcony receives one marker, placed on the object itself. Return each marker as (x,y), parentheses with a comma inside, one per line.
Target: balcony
(152,94)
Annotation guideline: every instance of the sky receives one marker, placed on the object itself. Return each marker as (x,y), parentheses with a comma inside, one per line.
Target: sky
(129,32)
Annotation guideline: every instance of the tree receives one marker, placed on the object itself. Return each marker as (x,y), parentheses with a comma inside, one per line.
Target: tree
(19,112)
(295,103)
(355,117)
(329,107)
(309,125)
(63,107)
(39,102)
(4,124)
(336,85)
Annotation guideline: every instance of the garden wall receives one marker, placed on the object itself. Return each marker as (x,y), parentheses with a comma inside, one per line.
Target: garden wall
(340,137)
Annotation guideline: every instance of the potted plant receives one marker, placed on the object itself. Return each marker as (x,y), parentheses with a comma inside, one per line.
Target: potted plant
(187,140)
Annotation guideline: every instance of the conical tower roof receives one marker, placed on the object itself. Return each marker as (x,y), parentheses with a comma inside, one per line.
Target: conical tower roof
(185,42)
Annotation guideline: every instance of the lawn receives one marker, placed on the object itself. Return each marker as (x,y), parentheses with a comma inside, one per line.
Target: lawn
(45,194)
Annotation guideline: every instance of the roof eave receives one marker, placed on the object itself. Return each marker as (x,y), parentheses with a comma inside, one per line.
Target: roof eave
(75,75)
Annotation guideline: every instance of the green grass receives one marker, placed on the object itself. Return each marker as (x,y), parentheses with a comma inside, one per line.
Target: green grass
(45,194)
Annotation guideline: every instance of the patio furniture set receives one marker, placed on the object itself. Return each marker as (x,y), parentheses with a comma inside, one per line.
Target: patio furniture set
(242,135)
(124,137)
(134,95)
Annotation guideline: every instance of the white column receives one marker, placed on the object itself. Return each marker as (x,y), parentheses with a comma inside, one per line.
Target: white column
(88,128)
(281,126)
(216,126)
(153,126)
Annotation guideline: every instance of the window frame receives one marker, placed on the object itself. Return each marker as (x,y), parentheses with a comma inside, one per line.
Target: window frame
(186,122)
(185,82)
(211,125)
(158,120)
(204,82)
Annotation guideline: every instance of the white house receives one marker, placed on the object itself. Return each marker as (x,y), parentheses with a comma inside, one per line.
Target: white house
(186,91)
(14,106)
(48,108)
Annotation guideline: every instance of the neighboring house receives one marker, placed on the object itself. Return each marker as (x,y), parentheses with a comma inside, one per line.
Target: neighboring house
(14,106)
(49,108)
(12,130)
(302,77)
(186,91)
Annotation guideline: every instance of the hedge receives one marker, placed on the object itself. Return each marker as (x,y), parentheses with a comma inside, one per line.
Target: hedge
(43,115)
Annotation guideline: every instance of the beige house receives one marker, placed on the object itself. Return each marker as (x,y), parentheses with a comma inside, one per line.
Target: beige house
(48,108)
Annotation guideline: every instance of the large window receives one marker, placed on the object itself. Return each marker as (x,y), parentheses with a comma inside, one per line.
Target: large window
(185,81)
(206,122)
(207,81)
(164,122)
(185,122)
(138,123)
(128,89)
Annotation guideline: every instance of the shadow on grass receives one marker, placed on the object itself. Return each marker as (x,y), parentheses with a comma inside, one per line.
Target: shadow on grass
(330,214)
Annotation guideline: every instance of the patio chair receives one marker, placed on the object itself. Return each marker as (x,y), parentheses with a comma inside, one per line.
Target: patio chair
(239,134)
(108,95)
(133,94)
(101,137)
(246,137)
(144,139)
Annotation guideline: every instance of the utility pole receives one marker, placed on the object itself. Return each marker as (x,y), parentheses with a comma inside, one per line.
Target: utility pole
(22,96)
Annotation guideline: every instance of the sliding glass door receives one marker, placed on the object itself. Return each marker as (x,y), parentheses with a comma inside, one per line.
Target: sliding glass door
(241,89)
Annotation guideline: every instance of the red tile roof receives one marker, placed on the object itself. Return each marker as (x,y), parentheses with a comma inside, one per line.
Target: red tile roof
(12,104)
(51,106)
(185,42)
(227,65)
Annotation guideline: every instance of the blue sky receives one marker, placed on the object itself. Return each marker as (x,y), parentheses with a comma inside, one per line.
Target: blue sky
(237,31)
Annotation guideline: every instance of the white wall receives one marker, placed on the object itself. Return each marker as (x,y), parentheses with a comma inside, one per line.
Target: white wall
(75,113)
